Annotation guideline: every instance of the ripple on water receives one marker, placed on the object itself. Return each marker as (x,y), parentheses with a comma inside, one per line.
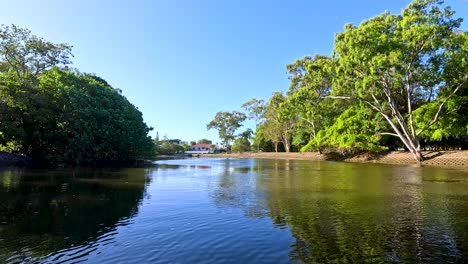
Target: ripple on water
(220,211)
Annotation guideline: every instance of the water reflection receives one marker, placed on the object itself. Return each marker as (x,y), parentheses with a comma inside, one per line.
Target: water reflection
(44,212)
(351,213)
(237,211)
(237,186)
(163,166)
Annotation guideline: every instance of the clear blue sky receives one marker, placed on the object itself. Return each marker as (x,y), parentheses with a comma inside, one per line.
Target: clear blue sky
(181,61)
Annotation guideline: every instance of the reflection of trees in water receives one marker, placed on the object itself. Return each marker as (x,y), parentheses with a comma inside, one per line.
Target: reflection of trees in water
(163,166)
(354,213)
(42,212)
(238,186)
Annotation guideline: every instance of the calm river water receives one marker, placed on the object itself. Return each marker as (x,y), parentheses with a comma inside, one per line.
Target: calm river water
(235,211)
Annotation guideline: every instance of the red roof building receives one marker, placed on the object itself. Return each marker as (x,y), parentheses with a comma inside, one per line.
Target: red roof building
(201,146)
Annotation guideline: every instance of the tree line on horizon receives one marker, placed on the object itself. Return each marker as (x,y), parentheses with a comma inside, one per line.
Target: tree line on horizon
(168,146)
(59,115)
(394,81)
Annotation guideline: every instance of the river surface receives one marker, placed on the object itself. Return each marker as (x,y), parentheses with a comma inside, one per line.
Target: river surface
(235,211)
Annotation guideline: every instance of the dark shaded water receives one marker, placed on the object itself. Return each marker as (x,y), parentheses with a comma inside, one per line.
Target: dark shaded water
(236,211)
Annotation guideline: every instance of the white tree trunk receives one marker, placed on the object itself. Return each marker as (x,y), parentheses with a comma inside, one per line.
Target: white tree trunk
(286,145)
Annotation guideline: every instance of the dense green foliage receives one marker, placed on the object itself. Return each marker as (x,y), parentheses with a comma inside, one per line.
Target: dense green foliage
(204,141)
(242,143)
(167,148)
(397,63)
(227,123)
(394,81)
(59,115)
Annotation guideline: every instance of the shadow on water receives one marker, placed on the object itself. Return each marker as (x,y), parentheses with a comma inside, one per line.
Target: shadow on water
(354,213)
(42,212)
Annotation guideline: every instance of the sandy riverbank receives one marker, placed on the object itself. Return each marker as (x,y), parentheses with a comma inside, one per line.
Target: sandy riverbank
(433,158)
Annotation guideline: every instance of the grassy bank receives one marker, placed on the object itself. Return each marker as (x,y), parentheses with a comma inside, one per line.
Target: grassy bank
(433,158)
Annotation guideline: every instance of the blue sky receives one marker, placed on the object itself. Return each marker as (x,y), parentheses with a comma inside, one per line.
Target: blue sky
(181,61)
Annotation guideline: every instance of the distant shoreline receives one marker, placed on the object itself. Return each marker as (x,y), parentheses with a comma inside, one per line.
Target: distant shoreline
(457,159)
(22,161)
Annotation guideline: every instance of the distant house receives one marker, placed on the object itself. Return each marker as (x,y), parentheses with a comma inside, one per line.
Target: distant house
(200,149)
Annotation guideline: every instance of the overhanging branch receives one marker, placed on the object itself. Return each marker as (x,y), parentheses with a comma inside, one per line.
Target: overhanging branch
(441,106)
(389,134)
(338,97)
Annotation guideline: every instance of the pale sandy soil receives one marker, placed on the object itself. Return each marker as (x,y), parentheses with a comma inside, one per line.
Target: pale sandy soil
(433,158)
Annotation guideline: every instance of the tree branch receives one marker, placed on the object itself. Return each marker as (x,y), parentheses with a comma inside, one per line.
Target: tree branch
(338,97)
(11,64)
(408,99)
(436,116)
(389,134)
(377,102)
(398,132)
(396,112)
(311,123)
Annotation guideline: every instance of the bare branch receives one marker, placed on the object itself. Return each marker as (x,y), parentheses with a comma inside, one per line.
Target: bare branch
(395,111)
(376,108)
(338,97)
(397,131)
(377,102)
(409,93)
(389,134)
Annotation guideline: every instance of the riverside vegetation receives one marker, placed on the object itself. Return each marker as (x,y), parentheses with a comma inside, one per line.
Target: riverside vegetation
(394,81)
(59,115)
